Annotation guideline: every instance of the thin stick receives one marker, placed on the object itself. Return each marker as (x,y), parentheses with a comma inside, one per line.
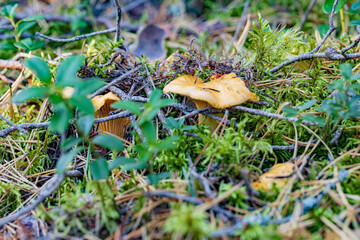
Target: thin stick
(240,24)
(50,187)
(7,131)
(308,10)
(330,31)
(329,53)
(76,38)
(10,64)
(118,19)
(115,81)
(14,125)
(270,115)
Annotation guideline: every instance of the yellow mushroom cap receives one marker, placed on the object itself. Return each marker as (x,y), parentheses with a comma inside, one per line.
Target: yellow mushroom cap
(102,107)
(220,92)
(279,174)
(68,92)
(101,100)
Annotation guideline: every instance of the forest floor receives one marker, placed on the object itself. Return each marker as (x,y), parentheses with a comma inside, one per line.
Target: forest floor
(180,119)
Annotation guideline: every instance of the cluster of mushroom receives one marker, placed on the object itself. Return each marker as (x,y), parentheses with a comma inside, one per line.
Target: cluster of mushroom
(220,92)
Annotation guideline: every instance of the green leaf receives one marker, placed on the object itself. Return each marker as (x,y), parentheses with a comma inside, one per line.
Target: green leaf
(67,70)
(120,161)
(188,127)
(355,77)
(181,121)
(85,87)
(307,105)
(149,131)
(65,159)
(29,93)
(328,4)
(99,169)
(131,106)
(56,98)
(109,142)
(171,123)
(312,118)
(70,142)
(143,152)
(148,115)
(134,166)
(346,71)
(167,143)
(85,123)
(36,45)
(32,18)
(155,100)
(7,46)
(336,85)
(61,118)
(354,22)
(155,178)
(24,27)
(163,103)
(323,29)
(155,96)
(290,112)
(40,68)
(9,11)
(356,5)
(24,44)
(77,22)
(83,104)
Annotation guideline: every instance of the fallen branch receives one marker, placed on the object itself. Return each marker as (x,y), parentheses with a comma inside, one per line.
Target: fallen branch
(46,191)
(329,54)
(76,38)
(118,19)
(270,115)
(307,12)
(9,64)
(7,131)
(50,187)
(14,125)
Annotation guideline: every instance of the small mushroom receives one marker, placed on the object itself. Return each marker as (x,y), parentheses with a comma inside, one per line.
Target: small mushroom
(102,109)
(220,92)
(279,174)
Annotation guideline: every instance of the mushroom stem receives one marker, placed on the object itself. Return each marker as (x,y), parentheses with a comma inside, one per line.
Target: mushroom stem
(102,105)
(212,123)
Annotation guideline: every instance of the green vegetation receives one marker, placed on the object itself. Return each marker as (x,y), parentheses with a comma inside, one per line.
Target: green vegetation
(169,176)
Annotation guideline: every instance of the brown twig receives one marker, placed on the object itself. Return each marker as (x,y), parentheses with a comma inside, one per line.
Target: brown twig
(329,53)
(240,24)
(14,65)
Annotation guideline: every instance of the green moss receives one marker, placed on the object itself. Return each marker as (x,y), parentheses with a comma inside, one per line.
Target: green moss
(185,220)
